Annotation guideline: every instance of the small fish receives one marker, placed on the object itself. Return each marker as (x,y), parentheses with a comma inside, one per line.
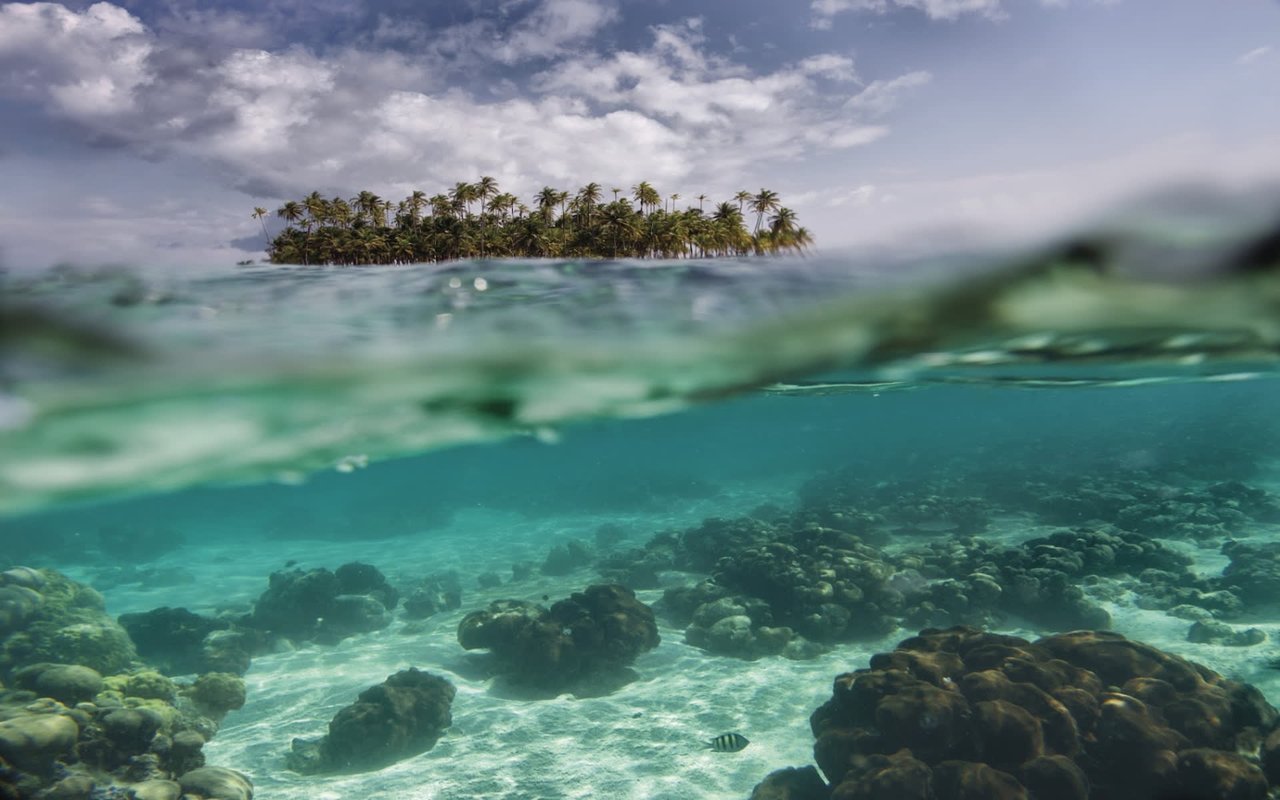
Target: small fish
(728,743)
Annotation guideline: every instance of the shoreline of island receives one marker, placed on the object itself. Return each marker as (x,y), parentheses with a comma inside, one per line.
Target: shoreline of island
(477,220)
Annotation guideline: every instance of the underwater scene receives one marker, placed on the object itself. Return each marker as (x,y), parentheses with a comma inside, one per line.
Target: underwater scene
(985,526)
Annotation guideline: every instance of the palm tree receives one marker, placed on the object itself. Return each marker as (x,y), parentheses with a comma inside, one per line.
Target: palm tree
(742,197)
(503,204)
(368,207)
(414,203)
(291,211)
(763,203)
(315,206)
(463,194)
(618,219)
(562,198)
(801,239)
(589,198)
(616,190)
(357,232)
(338,212)
(784,221)
(486,188)
(547,199)
(441,205)
(646,196)
(258,213)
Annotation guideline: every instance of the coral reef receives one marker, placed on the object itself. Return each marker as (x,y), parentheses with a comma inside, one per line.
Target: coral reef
(400,717)
(323,606)
(1254,571)
(566,557)
(216,693)
(433,594)
(597,631)
(642,567)
(844,500)
(1145,503)
(960,713)
(179,642)
(68,732)
(45,617)
(216,783)
(976,582)
(777,586)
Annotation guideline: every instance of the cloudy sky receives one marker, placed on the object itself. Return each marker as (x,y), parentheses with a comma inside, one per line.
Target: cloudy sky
(149,129)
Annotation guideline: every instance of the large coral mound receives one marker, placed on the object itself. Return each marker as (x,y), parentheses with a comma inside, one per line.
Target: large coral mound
(47,617)
(592,632)
(400,717)
(960,713)
(323,606)
(179,642)
(68,732)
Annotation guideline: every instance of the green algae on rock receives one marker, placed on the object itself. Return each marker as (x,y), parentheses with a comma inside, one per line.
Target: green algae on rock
(68,624)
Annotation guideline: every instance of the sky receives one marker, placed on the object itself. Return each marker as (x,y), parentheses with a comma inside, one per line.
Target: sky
(148,130)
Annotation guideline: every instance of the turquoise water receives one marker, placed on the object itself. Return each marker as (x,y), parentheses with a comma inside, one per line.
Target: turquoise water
(172,441)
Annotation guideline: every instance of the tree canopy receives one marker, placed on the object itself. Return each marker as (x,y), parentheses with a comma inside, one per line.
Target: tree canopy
(478,220)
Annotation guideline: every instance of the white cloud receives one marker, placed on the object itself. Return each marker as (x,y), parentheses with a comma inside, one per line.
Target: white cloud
(554,25)
(1254,56)
(291,120)
(829,65)
(84,65)
(856,136)
(726,116)
(278,123)
(825,10)
(881,97)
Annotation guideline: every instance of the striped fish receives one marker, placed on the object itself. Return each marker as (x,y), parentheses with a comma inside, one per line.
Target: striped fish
(728,743)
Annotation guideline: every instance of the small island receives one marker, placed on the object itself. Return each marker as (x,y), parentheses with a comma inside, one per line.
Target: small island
(476,220)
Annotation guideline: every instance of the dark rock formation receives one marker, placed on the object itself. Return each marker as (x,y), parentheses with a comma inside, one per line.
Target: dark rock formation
(400,717)
(323,606)
(599,630)
(565,558)
(435,593)
(179,642)
(792,783)
(959,713)
(1254,571)
(356,578)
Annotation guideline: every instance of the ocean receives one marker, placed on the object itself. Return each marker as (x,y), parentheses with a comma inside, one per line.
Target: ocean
(850,448)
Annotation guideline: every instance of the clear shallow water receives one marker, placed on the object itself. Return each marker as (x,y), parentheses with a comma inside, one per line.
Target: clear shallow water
(231,423)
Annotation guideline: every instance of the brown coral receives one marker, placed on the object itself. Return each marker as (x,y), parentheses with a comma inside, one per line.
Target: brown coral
(957,714)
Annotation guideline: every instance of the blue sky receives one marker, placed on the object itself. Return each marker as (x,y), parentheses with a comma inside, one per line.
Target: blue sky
(149,129)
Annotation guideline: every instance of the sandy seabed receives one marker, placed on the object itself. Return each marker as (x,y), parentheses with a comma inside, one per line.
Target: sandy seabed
(645,740)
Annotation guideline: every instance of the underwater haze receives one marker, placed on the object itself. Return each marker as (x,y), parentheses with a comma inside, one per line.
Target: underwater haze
(625,508)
